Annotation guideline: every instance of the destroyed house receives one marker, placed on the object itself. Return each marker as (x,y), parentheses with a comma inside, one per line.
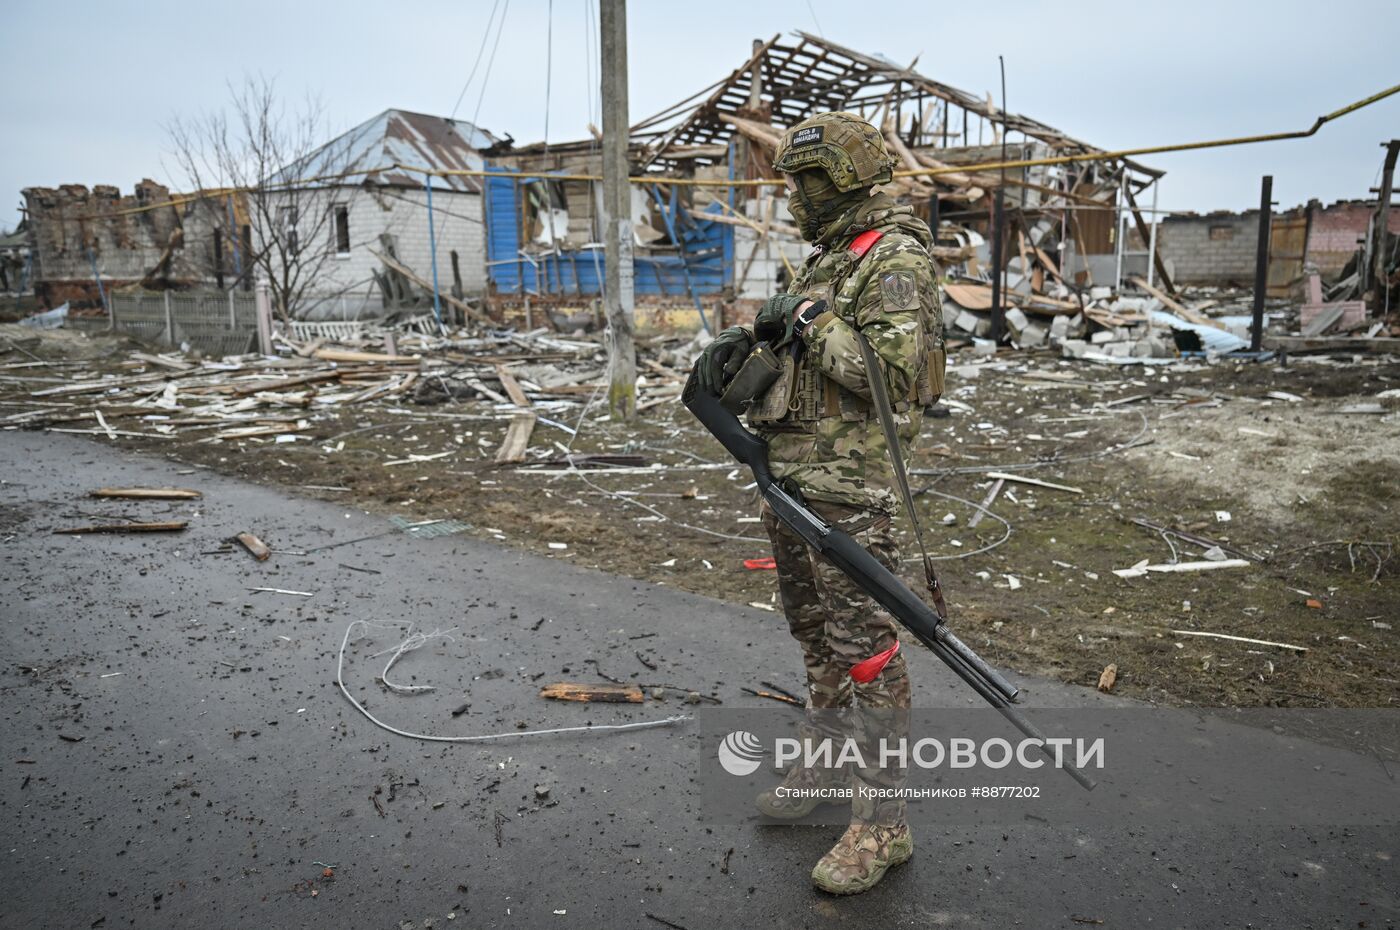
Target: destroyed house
(350,211)
(370,193)
(699,239)
(84,243)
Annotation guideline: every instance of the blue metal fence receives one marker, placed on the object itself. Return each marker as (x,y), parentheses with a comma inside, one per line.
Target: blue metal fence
(704,265)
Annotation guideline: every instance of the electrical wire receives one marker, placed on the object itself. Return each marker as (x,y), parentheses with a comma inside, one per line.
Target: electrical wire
(548,74)
(1023,466)
(414,641)
(975,506)
(575,471)
(1045,463)
(485,78)
(485,34)
(590,727)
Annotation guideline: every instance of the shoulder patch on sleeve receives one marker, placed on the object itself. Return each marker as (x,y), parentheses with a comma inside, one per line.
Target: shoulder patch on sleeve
(898,289)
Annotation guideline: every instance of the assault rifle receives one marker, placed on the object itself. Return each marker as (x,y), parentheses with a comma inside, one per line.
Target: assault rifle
(863,568)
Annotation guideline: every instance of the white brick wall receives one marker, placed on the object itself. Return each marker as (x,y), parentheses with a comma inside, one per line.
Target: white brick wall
(345,288)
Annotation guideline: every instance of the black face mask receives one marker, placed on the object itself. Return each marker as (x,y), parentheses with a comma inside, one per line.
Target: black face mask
(816,203)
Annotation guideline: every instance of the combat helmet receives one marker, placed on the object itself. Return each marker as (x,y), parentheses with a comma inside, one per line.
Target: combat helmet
(849,149)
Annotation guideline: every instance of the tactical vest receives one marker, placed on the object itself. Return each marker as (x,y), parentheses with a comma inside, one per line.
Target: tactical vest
(803,394)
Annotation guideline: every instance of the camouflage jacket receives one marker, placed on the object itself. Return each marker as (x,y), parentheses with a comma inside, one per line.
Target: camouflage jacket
(823,435)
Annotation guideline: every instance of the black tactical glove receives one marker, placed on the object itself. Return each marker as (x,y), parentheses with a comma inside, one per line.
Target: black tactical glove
(722,359)
(773,324)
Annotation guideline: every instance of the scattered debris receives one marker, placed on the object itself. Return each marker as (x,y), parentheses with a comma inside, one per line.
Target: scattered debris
(166,526)
(255,546)
(1241,639)
(284,591)
(160,494)
(1022,479)
(1142,568)
(588,693)
(1108,678)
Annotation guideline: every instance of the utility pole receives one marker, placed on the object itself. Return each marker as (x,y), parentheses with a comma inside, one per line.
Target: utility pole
(617,213)
(1380,277)
(1261,261)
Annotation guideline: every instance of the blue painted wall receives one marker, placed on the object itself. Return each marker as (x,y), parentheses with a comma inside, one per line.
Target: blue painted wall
(707,267)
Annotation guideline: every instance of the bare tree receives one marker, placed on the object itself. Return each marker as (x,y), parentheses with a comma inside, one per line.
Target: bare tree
(287,180)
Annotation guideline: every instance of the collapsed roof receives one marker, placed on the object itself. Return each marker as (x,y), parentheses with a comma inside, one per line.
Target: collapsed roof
(782,83)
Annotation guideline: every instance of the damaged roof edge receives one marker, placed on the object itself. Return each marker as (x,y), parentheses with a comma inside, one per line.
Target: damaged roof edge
(373,149)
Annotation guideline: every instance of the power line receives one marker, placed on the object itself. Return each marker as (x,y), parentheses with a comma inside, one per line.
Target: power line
(548,70)
(485,79)
(485,34)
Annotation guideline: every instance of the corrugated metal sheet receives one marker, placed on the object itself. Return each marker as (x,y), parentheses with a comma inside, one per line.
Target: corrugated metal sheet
(705,269)
(398,137)
(1213,340)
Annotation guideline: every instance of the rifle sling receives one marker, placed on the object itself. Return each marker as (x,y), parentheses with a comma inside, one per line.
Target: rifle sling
(880,399)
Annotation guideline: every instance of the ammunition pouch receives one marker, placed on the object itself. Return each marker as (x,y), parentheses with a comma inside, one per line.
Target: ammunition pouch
(761,368)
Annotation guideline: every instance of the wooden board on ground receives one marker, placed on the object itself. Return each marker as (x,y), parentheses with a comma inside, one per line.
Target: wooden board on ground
(1186,313)
(255,546)
(585,693)
(151,494)
(512,387)
(512,450)
(1336,343)
(168,526)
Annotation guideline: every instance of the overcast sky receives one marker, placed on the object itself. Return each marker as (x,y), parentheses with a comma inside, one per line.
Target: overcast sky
(91,85)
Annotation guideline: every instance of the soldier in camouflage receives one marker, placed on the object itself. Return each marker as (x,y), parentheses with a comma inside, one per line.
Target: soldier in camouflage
(868,273)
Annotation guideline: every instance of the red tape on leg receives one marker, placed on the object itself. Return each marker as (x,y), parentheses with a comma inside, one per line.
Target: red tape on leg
(867,670)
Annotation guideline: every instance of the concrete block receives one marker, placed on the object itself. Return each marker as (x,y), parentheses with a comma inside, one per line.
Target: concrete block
(1015,319)
(1033,335)
(1103,336)
(984,347)
(966,321)
(1074,348)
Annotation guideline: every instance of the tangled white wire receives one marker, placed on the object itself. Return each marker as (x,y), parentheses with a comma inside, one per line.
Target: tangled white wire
(415,640)
(419,639)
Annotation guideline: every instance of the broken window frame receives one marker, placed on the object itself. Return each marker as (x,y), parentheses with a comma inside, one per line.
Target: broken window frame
(340,229)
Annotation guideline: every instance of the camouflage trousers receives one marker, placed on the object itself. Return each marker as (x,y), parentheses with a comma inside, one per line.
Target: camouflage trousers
(837,625)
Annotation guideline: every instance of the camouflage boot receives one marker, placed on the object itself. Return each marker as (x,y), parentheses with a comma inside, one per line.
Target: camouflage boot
(877,839)
(799,793)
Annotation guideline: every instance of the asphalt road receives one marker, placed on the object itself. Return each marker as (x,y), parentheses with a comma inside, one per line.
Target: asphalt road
(177,752)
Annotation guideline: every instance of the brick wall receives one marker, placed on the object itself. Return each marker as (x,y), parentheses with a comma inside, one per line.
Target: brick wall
(71,227)
(1337,231)
(346,288)
(1219,248)
(1215,249)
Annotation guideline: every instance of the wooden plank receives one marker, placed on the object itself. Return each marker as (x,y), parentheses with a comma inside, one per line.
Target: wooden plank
(512,387)
(1022,479)
(1339,343)
(154,494)
(986,502)
(512,450)
(163,362)
(167,526)
(255,546)
(346,355)
(1241,639)
(1191,316)
(448,299)
(575,691)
